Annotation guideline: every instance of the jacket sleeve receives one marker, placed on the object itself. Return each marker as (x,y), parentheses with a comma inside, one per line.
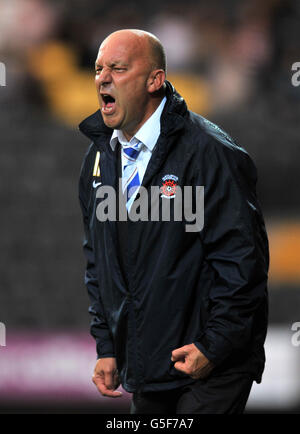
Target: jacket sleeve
(98,327)
(235,247)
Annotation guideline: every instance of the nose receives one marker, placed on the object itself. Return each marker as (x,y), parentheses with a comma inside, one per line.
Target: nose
(104,77)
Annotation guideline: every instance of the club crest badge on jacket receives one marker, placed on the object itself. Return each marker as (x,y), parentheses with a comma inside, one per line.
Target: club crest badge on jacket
(168,188)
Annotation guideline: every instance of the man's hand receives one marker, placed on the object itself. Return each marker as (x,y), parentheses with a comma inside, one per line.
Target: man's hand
(106,377)
(191,361)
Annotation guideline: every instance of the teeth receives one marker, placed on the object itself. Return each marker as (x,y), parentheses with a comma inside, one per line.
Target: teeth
(107,109)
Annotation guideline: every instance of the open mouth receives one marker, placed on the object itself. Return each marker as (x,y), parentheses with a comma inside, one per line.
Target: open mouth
(109,103)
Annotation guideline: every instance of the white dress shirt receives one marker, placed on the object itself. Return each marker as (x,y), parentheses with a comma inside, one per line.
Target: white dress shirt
(148,134)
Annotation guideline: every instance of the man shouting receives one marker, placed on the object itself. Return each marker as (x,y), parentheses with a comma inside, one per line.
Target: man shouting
(179,317)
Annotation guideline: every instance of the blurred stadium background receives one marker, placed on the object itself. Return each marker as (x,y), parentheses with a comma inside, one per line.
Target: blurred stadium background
(231,60)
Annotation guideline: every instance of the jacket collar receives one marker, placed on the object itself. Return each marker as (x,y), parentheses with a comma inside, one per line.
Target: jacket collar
(171,120)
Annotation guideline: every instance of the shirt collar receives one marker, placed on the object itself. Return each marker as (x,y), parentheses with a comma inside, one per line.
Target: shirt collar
(147,134)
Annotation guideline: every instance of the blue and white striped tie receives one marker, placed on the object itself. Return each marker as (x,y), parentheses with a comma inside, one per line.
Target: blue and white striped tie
(131,179)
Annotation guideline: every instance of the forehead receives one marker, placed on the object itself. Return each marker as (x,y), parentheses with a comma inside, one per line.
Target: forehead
(121,50)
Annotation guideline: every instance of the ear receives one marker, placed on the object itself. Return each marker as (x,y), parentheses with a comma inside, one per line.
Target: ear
(156,80)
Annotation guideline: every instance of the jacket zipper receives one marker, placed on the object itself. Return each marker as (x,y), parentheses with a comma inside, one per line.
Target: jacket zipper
(132,310)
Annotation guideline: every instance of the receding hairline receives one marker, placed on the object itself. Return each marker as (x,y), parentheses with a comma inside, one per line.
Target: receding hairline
(158,55)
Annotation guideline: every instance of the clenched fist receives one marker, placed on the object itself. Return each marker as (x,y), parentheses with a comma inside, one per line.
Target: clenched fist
(191,361)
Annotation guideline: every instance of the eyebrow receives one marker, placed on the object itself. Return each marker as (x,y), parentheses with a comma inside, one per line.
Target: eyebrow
(114,63)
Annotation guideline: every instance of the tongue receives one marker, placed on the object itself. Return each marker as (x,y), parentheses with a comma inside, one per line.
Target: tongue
(108,107)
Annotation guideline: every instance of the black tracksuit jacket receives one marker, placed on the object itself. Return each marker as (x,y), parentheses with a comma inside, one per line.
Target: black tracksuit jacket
(208,287)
